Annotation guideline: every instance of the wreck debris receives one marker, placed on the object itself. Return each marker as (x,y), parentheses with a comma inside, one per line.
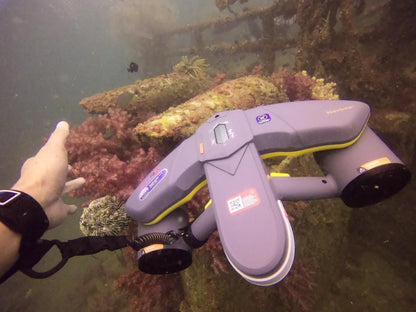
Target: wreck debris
(182,121)
(156,94)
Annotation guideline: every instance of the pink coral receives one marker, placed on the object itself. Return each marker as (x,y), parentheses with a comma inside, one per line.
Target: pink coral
(258,70)
(298,288)
(106,174)
(298,86)
(109,133)
(220,78)
(151,292)
(105,152)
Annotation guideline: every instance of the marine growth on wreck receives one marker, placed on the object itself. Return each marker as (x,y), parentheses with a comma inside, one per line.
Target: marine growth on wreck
(137,125)
(127,147)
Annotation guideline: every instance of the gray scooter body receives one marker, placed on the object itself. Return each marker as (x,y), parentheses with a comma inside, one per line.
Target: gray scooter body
(227,151)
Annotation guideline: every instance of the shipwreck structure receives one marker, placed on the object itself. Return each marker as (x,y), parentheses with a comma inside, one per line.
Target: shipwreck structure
(267,33)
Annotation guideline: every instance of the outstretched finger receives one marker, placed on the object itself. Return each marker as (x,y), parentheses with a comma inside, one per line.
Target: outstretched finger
(58,137)
(73,185)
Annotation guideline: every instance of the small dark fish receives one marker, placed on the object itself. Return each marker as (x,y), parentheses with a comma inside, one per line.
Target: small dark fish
(133,68)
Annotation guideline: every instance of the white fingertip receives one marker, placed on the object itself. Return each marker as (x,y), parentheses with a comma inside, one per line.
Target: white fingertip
(62,125)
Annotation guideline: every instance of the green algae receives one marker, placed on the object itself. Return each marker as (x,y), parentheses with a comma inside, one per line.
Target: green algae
(183,120)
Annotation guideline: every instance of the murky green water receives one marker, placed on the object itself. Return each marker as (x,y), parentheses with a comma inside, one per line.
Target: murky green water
(55,53)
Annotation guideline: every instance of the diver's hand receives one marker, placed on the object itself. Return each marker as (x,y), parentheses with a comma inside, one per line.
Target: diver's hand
(44,177)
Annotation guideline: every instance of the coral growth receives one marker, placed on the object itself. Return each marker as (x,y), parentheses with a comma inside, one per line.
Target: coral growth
(322,90)
(297,289)
(220,78)
(104,216)
(194,66)
(362,56)
(183,120)
(300,86)
(219,263)
(104,151)
(258,70)
(154,95)
(151,292)
(108,152)
(355,43)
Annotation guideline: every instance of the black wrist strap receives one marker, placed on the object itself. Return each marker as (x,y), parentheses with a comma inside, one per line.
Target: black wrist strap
(24,215)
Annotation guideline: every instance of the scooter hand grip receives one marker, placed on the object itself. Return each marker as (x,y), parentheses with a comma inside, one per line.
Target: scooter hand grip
(166,185)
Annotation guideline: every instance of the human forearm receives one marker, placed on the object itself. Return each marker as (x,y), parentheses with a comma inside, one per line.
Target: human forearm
(9,246)
(34,203)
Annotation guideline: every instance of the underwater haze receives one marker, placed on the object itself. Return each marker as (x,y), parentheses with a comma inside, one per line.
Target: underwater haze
(135,78)
(52,53)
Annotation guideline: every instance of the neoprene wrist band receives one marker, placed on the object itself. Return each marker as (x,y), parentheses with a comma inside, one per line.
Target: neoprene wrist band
(21,213)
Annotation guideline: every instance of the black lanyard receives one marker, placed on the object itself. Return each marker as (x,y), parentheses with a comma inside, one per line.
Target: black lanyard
(32,253)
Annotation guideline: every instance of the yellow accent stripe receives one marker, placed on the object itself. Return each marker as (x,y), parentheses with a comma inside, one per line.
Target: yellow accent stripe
(183,201)
(313,149)
(188,197)
(208,203)
(279,174)
(376,162)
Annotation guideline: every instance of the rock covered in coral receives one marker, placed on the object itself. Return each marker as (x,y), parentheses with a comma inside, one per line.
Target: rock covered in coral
(104,216)
(183,120)
(300,86)
(154,95)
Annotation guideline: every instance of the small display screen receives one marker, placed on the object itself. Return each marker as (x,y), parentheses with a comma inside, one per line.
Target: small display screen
(221,135)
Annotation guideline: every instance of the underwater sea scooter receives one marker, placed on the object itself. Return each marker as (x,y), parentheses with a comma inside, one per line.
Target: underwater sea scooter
(226,153)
